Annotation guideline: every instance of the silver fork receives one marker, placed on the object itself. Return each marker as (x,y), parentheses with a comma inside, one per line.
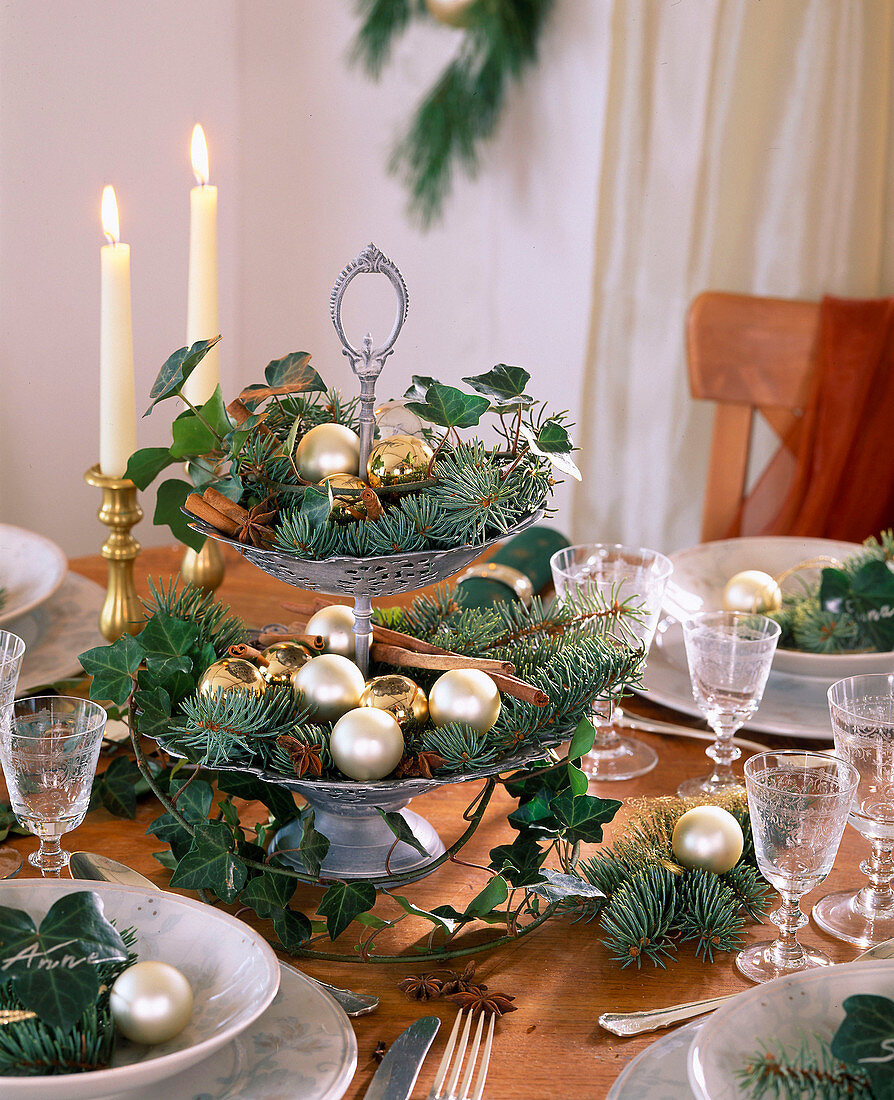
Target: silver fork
(451,1092)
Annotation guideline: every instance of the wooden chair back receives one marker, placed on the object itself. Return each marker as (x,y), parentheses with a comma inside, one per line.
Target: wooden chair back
(750,355)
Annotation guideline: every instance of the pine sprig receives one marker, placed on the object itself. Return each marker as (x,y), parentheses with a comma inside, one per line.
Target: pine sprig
(638,917)
(461,747)
(215,623)
(709,914)
(803,1075)
(225,727)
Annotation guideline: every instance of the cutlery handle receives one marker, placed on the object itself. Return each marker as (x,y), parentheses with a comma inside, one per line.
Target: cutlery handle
(633,1023)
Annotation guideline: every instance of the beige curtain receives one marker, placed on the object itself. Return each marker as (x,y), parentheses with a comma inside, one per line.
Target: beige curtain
(747,147)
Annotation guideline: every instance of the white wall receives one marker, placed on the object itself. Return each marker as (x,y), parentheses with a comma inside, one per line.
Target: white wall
(100,92)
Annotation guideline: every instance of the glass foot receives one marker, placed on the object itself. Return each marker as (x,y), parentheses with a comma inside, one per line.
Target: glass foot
(49,863)
(623,758)
(761,963)
(842,916)
(707,785)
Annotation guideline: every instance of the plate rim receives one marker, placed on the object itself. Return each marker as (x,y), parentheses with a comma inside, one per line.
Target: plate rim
(61,557)
(211,1044)
(651,1050)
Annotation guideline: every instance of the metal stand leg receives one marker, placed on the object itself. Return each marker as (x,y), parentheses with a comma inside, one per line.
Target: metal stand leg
(362,632)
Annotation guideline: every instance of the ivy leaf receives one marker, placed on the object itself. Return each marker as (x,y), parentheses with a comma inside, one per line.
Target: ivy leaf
(873,602)
(191,436)
(278,801)
(313,846)
(144,466)
(193,799)
(450,407)
(579,783)
(294,369)
(518,862)
(316,505)
(76,937)
(170,498)
(9,823)
(865,1038)
(535,815)
(293,929)
(525,785)
(559,887)
(398,825)
(112,668)
(117,787)
(176,369)
(215,413)
(552,442)
(446,924)
(155,708)
(496,891)
(582,816)
(504,385)
(582,739)
(210,863)
(167,636)
(169,831)
(420,386)
(268,891)
(342,902)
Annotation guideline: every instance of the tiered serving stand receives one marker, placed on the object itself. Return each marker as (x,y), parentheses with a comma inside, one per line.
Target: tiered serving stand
(362,844)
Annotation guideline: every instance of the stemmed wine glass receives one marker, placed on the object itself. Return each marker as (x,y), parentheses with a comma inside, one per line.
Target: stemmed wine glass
(49,746)
(632,580)
(12,653)
(862,710)
(729,654)
(798,802)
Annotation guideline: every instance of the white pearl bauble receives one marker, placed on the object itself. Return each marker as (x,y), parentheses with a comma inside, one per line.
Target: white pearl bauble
(331,685)
(708,838)
(394,418)
(452,13)
(366,744)
(335,624)
(150,1002)
(465,695)
(752,590)
(327,449)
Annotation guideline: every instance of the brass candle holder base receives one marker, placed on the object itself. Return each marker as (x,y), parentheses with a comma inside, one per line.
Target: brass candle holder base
(203,568)
(119,511)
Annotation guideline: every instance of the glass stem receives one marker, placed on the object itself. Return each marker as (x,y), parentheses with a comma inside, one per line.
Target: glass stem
(723,752)
(607,736)
(877,898)
(51,859)
(789,918)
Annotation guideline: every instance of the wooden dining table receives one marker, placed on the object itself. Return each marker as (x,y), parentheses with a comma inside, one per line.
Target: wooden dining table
(561,976)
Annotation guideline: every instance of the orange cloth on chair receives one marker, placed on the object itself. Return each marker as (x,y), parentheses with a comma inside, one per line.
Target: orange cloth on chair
(843,483)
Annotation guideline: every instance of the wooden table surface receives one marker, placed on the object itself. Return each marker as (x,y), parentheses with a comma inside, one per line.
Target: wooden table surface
(561,976)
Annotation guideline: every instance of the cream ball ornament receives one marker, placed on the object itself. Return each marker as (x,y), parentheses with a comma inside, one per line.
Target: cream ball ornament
(335,625)
(366,744)
(327,449)
(398,696)
(752,590)
(452,13)
(708,838)
(331,685)
(150,1002)
(232,674)
(394,418)
(467,696)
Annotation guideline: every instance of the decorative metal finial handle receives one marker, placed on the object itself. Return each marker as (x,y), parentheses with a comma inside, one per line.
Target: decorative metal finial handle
(367,361)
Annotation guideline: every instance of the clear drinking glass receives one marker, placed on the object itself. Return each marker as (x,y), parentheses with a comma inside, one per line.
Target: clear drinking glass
(798,802)
(12,651)
(729,654)
(862,710)
(49,746)
(621,575)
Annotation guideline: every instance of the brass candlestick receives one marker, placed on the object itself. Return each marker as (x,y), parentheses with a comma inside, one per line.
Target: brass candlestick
(119,511)
(204,568)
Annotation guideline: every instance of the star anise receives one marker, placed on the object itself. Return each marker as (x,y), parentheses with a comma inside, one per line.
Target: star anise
(255,528)
(478,998)
(419,765)
(461,983)
(306,759)
(421,987)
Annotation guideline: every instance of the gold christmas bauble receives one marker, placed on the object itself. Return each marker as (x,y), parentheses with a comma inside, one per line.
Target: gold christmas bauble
(452,13)
(394,418)
(327,449)
(752,590)
(335,624)
(397,460)
(467,696)
(331,686)
(284,658)
(398,696)
(708,838)
(366,744)
(345,481)
(232,674)
(150,1002)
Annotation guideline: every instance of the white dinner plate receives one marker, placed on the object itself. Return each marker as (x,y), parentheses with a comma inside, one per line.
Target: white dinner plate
(701,573)
(794,706)
(303,1046)
(802,1010)
(31,569)
(57,631)
(660,1071)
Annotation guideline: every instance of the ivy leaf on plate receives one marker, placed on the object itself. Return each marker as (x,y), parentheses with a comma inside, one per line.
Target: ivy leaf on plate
(342,902)
(503,385)
(582,816)
(144,466)
(865,1038)
(112,668)
(449,407)
(176,369)
(210,863)
(76,937)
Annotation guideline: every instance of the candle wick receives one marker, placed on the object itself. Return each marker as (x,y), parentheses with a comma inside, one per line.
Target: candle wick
(111,240)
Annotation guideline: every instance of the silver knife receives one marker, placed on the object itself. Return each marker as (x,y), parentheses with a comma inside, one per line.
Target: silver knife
(396,1076)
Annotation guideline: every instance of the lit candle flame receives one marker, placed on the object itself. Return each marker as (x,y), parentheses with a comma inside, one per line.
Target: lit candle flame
(199,156)
(110,214)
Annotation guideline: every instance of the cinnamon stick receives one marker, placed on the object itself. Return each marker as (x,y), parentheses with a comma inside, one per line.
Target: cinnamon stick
(224,505)
(198,507)
(312,641)
(519,689)
(396,655)
(372,504)
(248,653)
